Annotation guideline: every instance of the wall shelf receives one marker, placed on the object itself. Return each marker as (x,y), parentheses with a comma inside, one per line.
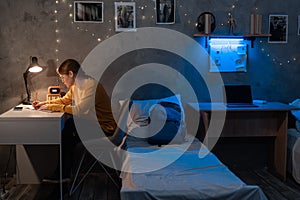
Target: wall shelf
(250,37)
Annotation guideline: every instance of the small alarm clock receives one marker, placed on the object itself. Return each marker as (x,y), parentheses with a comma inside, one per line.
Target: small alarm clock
(53,92)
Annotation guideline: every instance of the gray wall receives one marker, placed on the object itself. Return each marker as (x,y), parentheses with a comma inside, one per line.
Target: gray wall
(29,29)
(33,28)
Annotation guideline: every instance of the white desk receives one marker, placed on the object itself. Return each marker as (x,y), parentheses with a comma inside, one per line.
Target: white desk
(30,127)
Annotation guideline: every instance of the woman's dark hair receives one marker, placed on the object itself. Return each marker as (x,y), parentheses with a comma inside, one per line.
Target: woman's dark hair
(70,65)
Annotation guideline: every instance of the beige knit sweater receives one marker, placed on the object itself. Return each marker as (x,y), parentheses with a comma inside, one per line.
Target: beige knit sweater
(88,98)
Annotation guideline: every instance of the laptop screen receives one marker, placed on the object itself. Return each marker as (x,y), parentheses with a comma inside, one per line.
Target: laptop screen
(238,94)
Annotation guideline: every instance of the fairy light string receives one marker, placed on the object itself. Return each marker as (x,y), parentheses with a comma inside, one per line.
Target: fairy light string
(143,10)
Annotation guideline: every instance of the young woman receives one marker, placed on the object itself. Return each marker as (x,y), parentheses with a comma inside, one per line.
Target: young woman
(79,100)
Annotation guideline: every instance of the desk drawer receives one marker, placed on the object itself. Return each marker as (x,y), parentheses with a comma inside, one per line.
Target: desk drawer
(30,132)
(252,124)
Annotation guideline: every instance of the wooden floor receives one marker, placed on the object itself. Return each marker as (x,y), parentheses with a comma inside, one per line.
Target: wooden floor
(274,188)
(97,186)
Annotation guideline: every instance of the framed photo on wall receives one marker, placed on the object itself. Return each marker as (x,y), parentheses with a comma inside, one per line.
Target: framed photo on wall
(298,25)
(125,16)
(88,11)
(278,28)
(165,11)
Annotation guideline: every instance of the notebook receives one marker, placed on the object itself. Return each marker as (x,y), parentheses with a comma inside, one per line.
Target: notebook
(238,96)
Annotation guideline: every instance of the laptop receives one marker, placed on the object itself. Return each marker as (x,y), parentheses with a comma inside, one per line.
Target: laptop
(238,96)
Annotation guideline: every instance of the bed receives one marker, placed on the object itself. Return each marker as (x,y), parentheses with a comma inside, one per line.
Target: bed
(189,177)
(293,142)
(192,173)
(293,153)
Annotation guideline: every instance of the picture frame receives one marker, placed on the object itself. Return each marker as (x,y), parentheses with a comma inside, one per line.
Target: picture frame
(88,11)
(165,11)
(278,28)
(298,25)
(125,16)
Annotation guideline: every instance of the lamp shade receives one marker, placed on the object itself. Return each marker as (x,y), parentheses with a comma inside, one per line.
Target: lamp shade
(34,66)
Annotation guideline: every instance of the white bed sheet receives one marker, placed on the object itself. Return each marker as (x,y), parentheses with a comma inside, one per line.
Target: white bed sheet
(189,177)
(294,153)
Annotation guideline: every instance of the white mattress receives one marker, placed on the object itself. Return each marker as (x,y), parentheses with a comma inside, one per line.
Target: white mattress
(293,145)
(189,177)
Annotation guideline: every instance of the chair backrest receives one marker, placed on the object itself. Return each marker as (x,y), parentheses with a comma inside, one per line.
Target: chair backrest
(119,136)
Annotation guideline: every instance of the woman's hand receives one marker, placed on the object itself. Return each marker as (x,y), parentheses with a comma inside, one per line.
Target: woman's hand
(37,105)
(43,107)
(34,104)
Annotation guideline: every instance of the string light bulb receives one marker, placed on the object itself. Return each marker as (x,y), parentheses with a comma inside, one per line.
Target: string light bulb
(144,7)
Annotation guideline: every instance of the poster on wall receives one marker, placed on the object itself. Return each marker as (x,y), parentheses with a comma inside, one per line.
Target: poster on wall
(88,11)
(125,19)
(165,11)
(278,28)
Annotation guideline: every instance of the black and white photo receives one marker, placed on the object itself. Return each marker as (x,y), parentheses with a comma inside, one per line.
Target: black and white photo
(125,19)
(278,28)
(88,11)
(165,11)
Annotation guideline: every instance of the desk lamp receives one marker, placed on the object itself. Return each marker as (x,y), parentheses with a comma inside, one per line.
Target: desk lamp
(33,67)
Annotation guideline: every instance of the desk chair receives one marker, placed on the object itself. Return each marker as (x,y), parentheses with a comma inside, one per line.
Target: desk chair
(118,139)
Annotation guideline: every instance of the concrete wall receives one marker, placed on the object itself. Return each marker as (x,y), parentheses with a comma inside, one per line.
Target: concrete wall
(44,28)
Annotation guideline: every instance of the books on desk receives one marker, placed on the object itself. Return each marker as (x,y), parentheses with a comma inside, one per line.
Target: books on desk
(29,107)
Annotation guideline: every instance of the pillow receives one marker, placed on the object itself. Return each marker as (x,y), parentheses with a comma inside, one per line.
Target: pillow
(138,118)
(138,121)
(296,113)
(165,123)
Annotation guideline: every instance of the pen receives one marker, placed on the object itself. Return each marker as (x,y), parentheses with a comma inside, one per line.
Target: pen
(36,96)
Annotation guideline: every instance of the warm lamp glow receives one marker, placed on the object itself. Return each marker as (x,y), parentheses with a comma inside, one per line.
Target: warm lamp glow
(35,69)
